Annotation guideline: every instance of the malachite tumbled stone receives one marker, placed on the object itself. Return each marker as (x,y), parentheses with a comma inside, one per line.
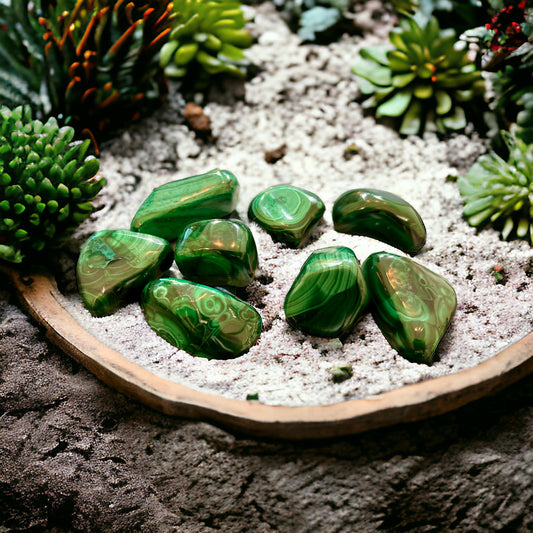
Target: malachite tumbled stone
(329,294)
(114,266)
(217,252)
(380,215)
(172,206)
(201,320)
(287,213)
(412,305)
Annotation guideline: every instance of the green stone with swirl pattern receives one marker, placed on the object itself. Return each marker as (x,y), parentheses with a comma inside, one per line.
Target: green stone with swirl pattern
(381,215)
(287,213)
(201,320)
(329,294)
(217,252)
(170,207)
(114,266)
(412,305)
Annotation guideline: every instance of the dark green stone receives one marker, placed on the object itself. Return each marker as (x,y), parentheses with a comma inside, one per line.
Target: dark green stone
(114,266)
(201,320)
(217,252)
(287,213)
(172,206)
(329,294)
(380,215)
(412,305)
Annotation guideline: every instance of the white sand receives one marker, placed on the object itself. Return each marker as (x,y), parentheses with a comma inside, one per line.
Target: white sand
(305,98)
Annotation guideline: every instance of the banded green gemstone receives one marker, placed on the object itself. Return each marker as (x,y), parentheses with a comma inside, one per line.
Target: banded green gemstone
(114,266)
(412,305)
(287,213)
(172,206)
(381,215)
(201,320)
(329,294)
(217,252)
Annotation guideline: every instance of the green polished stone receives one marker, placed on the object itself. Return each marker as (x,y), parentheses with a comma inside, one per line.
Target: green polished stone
(217,252)
(170,207)
(380,215)
(329,294)
(114,266)
(201,320)
(287,213)
(412,305)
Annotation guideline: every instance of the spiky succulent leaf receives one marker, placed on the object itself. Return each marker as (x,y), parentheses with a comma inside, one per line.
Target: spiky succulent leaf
(21,56)
(500,192)
(422,79)
(207,37)
(101,59)
(47,183)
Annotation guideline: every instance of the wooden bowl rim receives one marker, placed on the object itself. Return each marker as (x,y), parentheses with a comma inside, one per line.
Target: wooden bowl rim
(39,294)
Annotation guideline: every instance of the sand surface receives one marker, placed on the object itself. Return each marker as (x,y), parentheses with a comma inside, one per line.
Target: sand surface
(304,98)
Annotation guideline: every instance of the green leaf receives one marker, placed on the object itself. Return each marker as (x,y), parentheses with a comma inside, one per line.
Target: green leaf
(471,208)
(10,254)
(240,38)
(401,80)
(412,121)
(507,228)
(444,102)
(379,54)
(457,121)
(373,72)
(395,106)
(479,218)
(167,52)
(423,91)
(366,87)
(522,228)
(398,61)
(231,52)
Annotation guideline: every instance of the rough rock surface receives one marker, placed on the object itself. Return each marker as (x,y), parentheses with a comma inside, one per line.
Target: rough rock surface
(78,456)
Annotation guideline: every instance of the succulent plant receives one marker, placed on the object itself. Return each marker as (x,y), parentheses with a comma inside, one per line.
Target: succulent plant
(91,63)
(317,20)
(511,66)
(500,192)
(102,59)
(207,37)
(47,183)
(423,79)
(21,56)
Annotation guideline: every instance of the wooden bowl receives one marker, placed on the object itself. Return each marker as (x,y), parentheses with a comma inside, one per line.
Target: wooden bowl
(39,295)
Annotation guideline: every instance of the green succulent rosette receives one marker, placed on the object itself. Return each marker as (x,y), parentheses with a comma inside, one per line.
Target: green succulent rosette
(207,37)
(423,79)
(500,192)
(47,184)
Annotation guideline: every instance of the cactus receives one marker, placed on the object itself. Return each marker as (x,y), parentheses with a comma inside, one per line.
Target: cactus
(47,183)
(207,37)
(423,79)
(501,192)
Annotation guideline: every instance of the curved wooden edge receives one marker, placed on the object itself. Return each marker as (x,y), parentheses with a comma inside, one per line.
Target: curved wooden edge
(39,295)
